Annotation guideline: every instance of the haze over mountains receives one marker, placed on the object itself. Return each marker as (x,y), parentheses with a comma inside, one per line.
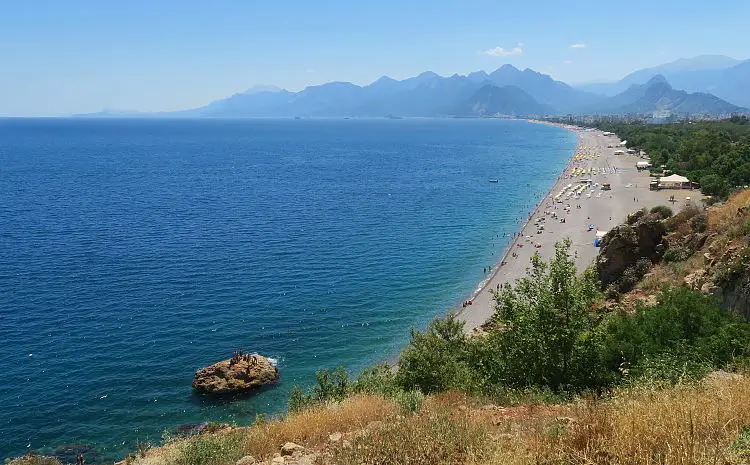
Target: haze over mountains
(722,76)
(505,91)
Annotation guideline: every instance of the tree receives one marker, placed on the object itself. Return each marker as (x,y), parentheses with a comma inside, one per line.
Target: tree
(435,360)
(549,337)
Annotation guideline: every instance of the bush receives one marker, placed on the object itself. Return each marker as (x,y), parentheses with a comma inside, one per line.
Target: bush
(633,274)
(380,380)
(211,449)
(686,331)
(331,386)
(410,401)
(436,360)
(676,254)
(699,223)
(685,215)
(663,211)
(549,337)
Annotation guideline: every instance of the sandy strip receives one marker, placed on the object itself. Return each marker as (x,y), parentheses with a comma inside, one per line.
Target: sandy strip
(602,209)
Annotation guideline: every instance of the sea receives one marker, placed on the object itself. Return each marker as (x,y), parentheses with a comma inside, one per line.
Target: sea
(135,251)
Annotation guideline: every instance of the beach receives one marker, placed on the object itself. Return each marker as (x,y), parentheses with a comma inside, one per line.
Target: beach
(593,210)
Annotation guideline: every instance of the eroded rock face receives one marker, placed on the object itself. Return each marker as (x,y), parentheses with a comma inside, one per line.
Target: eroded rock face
(641,237)
(235,375)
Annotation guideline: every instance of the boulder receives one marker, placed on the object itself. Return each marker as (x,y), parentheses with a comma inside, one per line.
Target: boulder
(238,374)
(291,448)
(247,460)
(641,237)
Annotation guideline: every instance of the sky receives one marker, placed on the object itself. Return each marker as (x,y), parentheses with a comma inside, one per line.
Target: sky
(60,57)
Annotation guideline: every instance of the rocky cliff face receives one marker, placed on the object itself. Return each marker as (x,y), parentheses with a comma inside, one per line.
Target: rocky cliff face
(628,250)
(707,250)
(239,374)
(725,273)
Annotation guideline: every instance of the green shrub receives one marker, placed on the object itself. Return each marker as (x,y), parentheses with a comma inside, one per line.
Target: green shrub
(332,386)
(699,223)
(409,401)
(686,331)
(213,449)
(676,254)
(380,379)
(435,360)
(298,400)
(741,446)
(663,211)
(549,338)
(633,274)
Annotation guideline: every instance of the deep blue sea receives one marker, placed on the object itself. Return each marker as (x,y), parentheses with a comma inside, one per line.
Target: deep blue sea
(133,252)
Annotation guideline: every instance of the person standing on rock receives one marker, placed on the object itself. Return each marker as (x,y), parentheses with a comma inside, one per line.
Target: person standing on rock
(79,459)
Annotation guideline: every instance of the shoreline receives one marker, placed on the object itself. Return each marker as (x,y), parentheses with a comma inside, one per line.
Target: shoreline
(593,159)
(498,267)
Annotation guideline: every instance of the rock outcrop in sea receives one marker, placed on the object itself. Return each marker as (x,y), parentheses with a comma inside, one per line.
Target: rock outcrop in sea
(241,373)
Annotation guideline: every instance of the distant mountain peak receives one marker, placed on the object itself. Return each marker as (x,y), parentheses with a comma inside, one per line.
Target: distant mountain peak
(428,74)
(383,79)
(658,79)
(262,88)
(700,62)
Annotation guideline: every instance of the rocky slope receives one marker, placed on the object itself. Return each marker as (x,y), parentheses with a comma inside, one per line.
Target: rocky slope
(706,249)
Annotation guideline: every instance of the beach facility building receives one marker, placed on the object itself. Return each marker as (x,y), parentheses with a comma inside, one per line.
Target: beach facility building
(675,181)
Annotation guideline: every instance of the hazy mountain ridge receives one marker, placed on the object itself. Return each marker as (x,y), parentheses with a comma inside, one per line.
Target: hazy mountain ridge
(429,94)
(658,95)
(722,76)
(491,100)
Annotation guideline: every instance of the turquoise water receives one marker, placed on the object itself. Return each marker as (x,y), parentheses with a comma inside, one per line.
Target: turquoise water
(133,252)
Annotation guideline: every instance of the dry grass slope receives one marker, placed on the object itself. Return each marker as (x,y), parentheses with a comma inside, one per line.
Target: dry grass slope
(706,422)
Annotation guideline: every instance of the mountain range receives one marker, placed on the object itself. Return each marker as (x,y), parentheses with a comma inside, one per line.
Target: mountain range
(657,95)
(507,91)
(722,76)
(427,94)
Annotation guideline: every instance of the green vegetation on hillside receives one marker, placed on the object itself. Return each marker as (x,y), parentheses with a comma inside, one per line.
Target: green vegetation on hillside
(714,154)
(549,338)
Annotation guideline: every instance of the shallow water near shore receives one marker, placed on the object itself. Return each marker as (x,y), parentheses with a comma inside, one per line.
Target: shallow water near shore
(133,252)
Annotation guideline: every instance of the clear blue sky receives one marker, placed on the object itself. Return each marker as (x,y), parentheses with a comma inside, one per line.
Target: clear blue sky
(67,56)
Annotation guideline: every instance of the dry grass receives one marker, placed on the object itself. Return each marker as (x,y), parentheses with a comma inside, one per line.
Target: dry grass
(681,425)
(707,422)
(443,437)
(724,217)
(310,428)
(669,274)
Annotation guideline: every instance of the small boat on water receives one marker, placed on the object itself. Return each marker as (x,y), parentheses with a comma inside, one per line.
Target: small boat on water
(494,180)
